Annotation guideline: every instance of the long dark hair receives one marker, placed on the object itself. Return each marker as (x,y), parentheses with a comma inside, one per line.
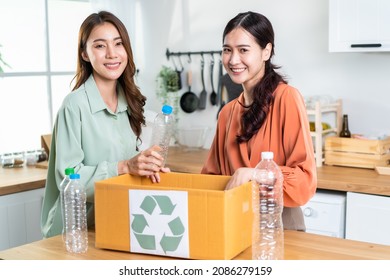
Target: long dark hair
(261,29)
(135,100)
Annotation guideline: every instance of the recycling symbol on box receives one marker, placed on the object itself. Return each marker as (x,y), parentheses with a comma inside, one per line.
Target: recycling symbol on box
(155,223)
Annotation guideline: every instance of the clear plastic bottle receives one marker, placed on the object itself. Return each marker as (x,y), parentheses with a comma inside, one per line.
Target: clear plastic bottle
(267,204)
(163,130)
(76,230)
(65,181)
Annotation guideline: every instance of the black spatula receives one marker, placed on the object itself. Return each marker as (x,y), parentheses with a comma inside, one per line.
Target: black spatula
(203,93)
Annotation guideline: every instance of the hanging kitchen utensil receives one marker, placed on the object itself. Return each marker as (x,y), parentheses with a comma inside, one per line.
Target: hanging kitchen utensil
(203,93)
(213,95)
(189,102)
(219,89)
(223,100)
(178,72)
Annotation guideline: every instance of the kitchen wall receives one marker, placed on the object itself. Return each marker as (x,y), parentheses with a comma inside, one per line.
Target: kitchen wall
(361,80)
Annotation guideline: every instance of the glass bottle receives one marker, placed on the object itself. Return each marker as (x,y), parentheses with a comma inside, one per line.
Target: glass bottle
(345,129)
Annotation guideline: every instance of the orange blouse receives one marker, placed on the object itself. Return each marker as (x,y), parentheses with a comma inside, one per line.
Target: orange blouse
(285,132)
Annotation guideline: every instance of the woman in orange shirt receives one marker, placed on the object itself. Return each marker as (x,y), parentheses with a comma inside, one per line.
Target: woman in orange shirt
(269,115)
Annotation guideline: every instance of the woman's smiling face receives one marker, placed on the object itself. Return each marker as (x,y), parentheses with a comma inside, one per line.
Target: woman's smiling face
(243,58)
(106,53)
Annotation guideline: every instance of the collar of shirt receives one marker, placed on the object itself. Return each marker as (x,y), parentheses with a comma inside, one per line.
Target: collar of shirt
(96,101)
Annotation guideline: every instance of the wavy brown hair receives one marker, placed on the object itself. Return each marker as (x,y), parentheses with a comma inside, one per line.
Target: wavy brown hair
(135,100)
(261,29)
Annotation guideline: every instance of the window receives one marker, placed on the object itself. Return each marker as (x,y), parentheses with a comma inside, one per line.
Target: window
(39,41)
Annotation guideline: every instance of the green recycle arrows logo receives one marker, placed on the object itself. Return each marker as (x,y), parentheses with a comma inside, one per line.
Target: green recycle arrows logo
(169,241)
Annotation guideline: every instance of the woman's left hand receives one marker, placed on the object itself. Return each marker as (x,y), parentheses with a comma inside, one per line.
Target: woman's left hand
(155,177)
(240,176)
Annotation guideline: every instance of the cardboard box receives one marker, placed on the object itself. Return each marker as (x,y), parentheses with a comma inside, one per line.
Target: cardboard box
(198,218)
(357,152)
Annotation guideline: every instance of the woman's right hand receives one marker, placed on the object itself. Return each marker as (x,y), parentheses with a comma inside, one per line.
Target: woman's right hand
(241,175)
(146,163)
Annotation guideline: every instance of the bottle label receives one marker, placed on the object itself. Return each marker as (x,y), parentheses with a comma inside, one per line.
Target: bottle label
(159,222)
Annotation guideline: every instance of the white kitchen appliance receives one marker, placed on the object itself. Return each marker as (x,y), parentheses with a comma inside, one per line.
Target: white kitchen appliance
(325,213)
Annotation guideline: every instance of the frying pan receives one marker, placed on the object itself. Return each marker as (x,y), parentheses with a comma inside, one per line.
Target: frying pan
(189,101)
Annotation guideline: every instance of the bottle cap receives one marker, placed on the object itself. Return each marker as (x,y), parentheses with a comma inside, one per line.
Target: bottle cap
(267,155)
(69,171)
(166,109)
(74,176)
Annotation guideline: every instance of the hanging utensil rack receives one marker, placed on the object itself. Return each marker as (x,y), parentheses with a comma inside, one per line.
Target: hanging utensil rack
(169,53)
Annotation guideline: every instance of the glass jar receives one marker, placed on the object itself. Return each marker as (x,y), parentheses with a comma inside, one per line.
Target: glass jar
(41,154)
(18,159)
(31,157)
(7,160)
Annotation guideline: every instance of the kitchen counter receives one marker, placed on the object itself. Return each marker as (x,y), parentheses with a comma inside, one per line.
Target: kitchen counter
(13,180)
(346,179)
(298,246)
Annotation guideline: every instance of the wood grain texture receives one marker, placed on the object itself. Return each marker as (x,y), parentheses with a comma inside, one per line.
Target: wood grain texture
(298,246)
(13,180)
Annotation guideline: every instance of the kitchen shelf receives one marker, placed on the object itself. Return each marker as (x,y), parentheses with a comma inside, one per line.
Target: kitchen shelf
(318,111)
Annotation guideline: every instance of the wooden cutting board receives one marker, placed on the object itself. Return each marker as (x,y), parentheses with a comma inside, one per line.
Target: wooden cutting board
(43,164)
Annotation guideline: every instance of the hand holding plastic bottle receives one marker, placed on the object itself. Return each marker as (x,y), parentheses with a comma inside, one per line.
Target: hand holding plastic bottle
(147,163)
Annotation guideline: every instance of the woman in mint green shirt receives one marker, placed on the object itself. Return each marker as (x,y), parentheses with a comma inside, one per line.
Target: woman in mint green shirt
(98,127)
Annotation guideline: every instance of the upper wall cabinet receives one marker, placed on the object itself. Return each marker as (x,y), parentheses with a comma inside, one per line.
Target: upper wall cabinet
(359,25)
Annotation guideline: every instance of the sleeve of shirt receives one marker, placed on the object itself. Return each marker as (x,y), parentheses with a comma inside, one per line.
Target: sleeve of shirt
(300,179)
(69,152)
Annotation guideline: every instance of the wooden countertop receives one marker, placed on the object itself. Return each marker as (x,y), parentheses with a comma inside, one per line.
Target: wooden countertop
(191,161)
(13,180)
(298,246)
(347,179)
(186,160)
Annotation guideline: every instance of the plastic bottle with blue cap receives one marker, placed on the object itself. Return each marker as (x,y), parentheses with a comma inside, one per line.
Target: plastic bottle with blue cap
(163,130)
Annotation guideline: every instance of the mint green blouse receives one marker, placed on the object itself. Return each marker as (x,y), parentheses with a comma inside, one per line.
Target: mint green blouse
(90,138)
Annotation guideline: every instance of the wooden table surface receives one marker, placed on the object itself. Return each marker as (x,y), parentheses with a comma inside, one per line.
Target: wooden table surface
(298,246)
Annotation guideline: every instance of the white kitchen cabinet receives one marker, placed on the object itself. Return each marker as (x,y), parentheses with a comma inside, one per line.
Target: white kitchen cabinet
(20,216)
(368,218)
(317,111)
(359,25)
(324,214)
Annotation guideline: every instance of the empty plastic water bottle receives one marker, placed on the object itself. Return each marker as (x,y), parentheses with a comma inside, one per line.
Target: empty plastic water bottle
(267,204)
(163,130)
(65,181)
(76,230)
